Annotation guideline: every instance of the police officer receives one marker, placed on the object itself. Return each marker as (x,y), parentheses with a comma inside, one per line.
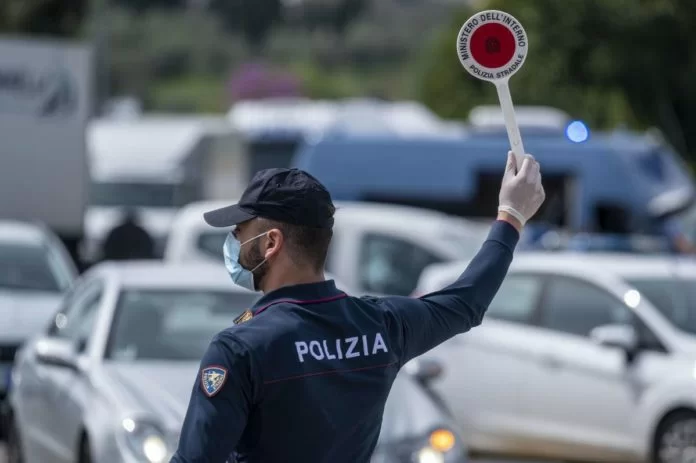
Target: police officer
(303,376)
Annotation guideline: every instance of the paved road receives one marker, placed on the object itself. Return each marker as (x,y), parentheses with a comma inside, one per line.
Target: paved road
(4,460)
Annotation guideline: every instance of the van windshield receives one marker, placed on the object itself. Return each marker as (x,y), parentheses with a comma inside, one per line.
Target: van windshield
(140,194)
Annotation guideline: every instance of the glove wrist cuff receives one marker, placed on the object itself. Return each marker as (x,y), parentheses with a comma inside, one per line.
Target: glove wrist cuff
(513,212)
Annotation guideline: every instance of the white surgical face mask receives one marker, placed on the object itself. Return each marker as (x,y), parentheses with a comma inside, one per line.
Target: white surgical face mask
(241,276)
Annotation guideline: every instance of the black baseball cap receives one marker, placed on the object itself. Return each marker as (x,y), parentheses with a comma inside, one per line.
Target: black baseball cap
(287,195)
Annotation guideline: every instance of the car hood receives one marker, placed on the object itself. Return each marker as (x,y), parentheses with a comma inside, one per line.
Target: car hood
(162,390)
(25,313)
(100,220)
(157,389)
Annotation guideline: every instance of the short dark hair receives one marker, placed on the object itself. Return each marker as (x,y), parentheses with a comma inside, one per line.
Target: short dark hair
(306,245)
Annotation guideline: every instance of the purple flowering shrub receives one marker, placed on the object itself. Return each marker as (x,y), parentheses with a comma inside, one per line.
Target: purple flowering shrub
(255,81)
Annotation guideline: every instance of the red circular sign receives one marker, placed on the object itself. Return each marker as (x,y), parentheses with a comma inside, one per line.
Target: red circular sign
(492,45)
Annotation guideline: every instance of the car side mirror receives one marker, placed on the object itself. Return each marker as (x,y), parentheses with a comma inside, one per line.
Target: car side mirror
(57,352)
(622,336)
(424,370)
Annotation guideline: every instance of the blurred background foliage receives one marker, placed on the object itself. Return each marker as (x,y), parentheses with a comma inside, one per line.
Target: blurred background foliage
(610,62)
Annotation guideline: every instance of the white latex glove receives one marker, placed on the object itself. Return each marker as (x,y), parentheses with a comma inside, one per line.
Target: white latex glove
(521,193)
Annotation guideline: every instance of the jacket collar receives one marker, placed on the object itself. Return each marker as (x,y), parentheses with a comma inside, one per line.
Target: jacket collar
(306,293)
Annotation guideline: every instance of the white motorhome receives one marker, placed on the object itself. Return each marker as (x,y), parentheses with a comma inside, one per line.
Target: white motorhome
(155,164)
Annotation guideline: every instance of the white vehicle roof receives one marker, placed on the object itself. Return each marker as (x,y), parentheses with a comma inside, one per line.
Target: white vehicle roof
(307,116)
(367,213)
(164,275)
(14,231)
(144,274)
(586,265)
(355,116)
(624,265)
(146,146)
(439,230)
(380,215)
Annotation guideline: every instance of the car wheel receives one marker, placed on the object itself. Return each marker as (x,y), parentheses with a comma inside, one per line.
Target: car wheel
(675,441)
(14,445)
(85,453)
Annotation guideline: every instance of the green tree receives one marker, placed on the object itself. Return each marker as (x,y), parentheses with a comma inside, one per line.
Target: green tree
(335,15)
(656,66)
(140,6)
(254,18)
(608,62)
(51,18)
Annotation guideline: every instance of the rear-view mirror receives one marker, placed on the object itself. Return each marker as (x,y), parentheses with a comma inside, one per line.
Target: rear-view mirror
(424,370)
(57,353)
(622,336)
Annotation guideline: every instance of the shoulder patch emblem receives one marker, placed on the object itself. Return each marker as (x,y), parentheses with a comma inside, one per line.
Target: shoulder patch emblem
(244,317)
(212,379)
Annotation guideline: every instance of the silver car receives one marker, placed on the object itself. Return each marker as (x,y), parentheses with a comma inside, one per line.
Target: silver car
(111,378)
(35,271)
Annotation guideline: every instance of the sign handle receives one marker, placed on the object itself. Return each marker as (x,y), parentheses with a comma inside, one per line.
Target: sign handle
(513,130)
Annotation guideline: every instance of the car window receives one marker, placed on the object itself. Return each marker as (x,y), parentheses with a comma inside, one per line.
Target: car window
(76,320)
(211,243)
(576,307)
(517,299)
(171,324)
(27,267)
(673,297)
(391,265)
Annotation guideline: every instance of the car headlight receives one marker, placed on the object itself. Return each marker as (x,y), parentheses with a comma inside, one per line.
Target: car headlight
(439,446)
(145,440)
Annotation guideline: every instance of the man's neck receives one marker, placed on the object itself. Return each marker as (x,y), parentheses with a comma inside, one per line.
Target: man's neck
(296,278)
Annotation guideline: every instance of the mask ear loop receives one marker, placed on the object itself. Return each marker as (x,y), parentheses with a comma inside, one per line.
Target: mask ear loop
(254,238)
(251,239)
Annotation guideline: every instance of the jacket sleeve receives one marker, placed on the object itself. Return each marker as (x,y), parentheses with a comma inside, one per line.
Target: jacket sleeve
(219,406)
(425,322)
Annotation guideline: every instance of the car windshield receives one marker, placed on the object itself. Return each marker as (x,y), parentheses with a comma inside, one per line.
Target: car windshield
(171,324)
(140,194)
(675,298)
(31,267)
(211,243)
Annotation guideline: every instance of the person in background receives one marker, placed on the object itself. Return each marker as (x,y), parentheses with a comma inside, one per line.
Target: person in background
(128,240)
(673,230)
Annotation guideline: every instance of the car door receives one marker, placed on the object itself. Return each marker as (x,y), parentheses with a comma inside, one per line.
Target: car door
(57,418)
(578,397)
(485,369)
(389,264)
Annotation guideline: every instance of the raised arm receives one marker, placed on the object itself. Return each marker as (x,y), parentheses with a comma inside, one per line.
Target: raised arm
(429,320)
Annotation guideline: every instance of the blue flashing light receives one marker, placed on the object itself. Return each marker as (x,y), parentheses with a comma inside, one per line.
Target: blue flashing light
(577,132)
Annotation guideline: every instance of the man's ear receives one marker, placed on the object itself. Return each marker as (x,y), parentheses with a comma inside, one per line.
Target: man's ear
(274,242)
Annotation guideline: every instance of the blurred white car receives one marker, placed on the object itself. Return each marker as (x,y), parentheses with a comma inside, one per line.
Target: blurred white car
(573,362)
(35,270)
(376,248)
(110,379)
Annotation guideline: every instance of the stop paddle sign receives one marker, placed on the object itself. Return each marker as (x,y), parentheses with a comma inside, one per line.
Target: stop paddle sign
(492,45)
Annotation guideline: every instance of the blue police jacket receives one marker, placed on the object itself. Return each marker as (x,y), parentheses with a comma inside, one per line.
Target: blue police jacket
(307,377)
